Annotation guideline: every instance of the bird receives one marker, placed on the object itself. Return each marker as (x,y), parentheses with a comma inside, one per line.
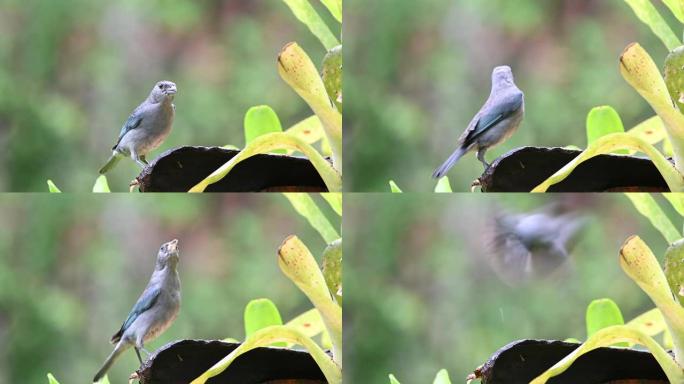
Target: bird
(533,244)
(146,128)
(155,311)
(496,121)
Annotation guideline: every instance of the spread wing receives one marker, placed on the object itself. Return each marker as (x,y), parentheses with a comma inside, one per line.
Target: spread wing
(491,116)
(133,122)
(145,302)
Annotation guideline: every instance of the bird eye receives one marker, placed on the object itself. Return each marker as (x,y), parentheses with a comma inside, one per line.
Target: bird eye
(161,86)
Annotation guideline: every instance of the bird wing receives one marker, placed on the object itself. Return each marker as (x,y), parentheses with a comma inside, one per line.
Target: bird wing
(490,116)
(133,122)
(145,302)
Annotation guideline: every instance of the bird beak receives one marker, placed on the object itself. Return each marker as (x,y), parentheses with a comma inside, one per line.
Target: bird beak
(173,245)
(171,90)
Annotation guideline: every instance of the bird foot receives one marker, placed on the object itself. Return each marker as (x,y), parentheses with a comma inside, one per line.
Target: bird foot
(133,184)
(133,377)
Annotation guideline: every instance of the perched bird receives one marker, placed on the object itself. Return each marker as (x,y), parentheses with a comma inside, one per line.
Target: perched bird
(155,310)
(532,245)
(146,128)
(498,119)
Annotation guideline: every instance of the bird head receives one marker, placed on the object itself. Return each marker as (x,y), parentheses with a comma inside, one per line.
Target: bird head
(502,75)
(163,90)
(168,254)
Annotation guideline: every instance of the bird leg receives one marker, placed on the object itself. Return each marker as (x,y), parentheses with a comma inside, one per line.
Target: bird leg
(137,352)
(481,156)
(139,159)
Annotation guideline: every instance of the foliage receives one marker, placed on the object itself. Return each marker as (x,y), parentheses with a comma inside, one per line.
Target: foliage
(663,95)
(262,320)
(298,71)
(640,264)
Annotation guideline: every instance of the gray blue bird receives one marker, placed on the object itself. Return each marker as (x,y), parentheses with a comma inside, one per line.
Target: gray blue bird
(146,128)
(533,245)
(496,121)
(155,310)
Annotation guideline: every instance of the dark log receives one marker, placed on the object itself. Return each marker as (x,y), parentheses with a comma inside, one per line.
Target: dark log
(179,169)
(183,361)
(523,169)
(522,361)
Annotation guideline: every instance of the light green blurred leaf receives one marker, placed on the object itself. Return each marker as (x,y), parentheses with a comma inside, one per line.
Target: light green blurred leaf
(650,323)
(609,144)
(677,201)
(393,380)
(259,314)
(677,8)
(52,187)
(51,379)
(334,199)
(335,8)
(259,121)
(442,377)
(649,208)
(603,313)
(306,13)
(266,144)
(443,185)
(305,206)
(649,15)
(602,121)
(394,187)
(101,185)
(308,323)
(267,336)
(610,336)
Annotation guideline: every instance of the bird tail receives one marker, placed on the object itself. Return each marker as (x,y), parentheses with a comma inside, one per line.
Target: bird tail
(444,168)
(110,163)
(118,350)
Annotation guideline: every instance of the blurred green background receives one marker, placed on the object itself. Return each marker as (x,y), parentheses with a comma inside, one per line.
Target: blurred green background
(422,296)
(71,269)
(71,71)
(416,75)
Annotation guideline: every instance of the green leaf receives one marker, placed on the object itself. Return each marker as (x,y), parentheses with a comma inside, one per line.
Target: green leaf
(393,380)
(332,269)
(677,201)
(603,313)
(602,121)
(259,121)
(268,336)
(335,8)
(394,187)
(610,336)
(649,208)
(640,264)
(308,323)
(651,130)
(609,144)
(334,199)
(51,379)
(650,323)
(305,206)
(266,144)
(52,187)
(650,16)
(674,269)
(299,72)
(677,8)
(642,73)
(443,185)
(332,75)
(442,377)
(298,264)
(101,185)
(310,130)
(306,13)
(259,314)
